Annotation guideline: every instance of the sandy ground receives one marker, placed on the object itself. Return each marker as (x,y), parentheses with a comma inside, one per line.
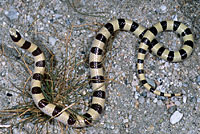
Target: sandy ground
(129,107)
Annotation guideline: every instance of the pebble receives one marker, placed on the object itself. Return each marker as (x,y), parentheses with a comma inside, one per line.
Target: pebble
(175,17)
(81,20)
(159,103)
(52,40)
(134,82)
(172,109)
(198,80)
(127,126)
(12,14)
(137,95)
(198,100)
(144,94)
(9,94)
(150,128)
(193,99)
(163,9)
(177,103)
(68,22)
(56,16)
(184,99)
(185,85)
(176,117)
(112,127)
(30,19)
(155,100)
(3,73)
(125,120)
(130,116)
(3,63)
(141,100)
(162,98)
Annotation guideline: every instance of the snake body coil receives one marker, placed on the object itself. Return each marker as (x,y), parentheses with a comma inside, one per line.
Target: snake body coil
(96,67)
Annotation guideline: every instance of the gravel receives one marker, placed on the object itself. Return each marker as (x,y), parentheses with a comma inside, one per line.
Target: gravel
(129,107)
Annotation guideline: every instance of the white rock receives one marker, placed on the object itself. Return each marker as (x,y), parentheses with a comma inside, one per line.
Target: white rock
(198,100)
(125,120)
(137,95)
(134,82)
(176,117)
(12,14)
(52,40)
(134,88)
(5,126)
(184,99)
(3,63)
(155,100)
(141,100)
(159,103)
(163,8)
(177,103)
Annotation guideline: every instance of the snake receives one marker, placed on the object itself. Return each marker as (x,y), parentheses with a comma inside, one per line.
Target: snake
(148,41)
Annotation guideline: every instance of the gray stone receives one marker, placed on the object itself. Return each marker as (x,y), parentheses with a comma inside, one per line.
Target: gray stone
(176,117)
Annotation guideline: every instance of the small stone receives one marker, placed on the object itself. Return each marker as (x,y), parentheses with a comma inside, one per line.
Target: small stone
(184,99)
(130,117)
(56,16)
(3,63)
(137,95)
(198,80)
(175,17)
(134,88)
(159,103)
(177,103)
(84,92)
(193,99)
(134,82)
(198,100)
(126,82)
(172,109)
(141,100)
(116,131)
(176,117)
(12,14)
(30,19)
(148,101)
(9,94)
(136,104)
(81,72)
(126,125)
(155,100)
(185,85)
(51,20)
(52,40)
(3,73)
(125,120)
(144,94)
(163,9)
(67,21)
(162,98)
(150,128)
(112,127)
(81,20)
